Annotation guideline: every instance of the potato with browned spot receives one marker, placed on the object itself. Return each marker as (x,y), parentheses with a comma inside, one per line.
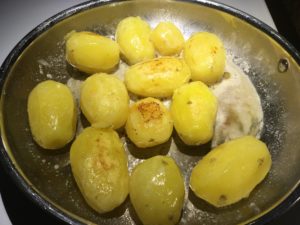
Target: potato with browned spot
(205,55)
(52,114)
(133,37)
(231,171)
(91,53)
(99,165)
(157,191)
(194,109)
(157,77)
(149,123)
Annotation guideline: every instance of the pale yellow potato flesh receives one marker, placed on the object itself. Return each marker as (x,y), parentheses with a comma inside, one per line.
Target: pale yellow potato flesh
(231,171)
(91,53)
(157,77)
(167,39)
(99,165)
(149,123)
(193,111)
(104,101)
(52,114)
(133,37)
(205,54)
(157,191)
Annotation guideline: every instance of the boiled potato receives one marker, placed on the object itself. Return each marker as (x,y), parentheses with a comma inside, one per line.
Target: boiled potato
(156,190)
(104,101)
(157,77)
(167,39)
(99,165)
(205,55)
(149,123)
(231,171)
(193,110)
(52,114)
(91,53)
(133,36)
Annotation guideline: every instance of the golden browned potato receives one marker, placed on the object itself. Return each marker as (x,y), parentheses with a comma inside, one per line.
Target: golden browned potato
(157,191)
(91,53)
(231,171)
(157,77)
(133,36)
(99,166)
(205,55)
(52,114)
(149,123)
(193,110)
(104,101)
(167,39)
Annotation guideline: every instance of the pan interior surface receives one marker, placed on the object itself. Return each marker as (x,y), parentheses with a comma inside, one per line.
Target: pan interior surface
(257,54)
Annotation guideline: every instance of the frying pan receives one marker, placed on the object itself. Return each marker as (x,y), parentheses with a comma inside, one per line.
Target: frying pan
(268,59)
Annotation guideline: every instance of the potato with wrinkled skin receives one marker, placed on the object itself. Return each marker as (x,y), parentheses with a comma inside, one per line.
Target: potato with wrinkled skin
(52,114)
(194,109)
(99,165)
(133,37)
(149,123)
(231,171)
(104,101)
(91,53)
(205,54)
(157,77)
(167,39)
(156,190)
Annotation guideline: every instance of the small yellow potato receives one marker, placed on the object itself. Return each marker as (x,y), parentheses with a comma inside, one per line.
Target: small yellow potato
(52,114)
(133,36)
(205,55)
(157,77)
(99,165)
(149,123)
(91,53)
(167,39)
(156,190)
(231,171)
(104,101)
(194,109)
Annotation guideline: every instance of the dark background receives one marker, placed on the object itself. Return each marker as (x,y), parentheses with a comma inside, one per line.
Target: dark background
(286,15)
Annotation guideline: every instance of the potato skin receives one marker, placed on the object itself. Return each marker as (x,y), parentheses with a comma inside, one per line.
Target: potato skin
(193,110)
(167,39)
(205,55)
(157,77)
(231,171)
(52,114)
(133,36)
(157,191)
(99,165)
(149,123)
(91,53)
(104,101)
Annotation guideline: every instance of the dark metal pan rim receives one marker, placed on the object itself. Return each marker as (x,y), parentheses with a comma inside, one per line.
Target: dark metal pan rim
(11,169)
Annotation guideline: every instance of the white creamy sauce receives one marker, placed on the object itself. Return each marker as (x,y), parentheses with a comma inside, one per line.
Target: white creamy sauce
(239,107)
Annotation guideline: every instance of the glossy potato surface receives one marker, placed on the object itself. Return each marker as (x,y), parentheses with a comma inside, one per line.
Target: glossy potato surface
(104,101)
(167,39)
(52,114)
(149,123)
(231,171)
(91,53)
(205,54)
(133,36)
(157,77)
(157,191)
(193,110)
(99,165)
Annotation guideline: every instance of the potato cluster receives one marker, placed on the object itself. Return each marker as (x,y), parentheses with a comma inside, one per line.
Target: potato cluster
(182,73)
